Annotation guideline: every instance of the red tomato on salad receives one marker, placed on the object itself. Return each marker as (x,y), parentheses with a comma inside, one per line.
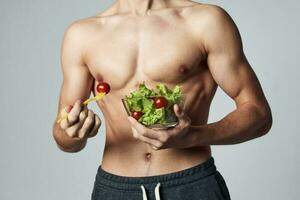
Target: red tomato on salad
(136,114)
(160,102)
(103,87)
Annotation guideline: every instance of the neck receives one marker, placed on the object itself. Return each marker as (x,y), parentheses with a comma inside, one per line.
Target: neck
(141,7)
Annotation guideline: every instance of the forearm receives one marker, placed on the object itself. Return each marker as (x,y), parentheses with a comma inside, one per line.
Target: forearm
(65,142)
(245,123)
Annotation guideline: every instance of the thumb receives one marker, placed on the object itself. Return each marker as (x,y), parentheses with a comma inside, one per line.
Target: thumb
(66,110)
(178,111)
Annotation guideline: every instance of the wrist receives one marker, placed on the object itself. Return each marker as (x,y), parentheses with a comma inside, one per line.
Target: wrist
(194,132)
(78,145)
(199,135)
(67,143)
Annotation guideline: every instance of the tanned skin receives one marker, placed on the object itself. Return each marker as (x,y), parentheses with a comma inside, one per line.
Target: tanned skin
(175,42)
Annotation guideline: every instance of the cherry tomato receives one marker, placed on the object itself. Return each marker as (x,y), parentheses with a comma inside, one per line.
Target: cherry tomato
(103,87)
(160,102)
(136,114)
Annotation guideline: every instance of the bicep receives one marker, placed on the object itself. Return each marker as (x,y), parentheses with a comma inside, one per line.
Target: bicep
(228,64)
(77,80)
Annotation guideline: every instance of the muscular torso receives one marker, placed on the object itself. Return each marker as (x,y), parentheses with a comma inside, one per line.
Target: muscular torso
(162,47)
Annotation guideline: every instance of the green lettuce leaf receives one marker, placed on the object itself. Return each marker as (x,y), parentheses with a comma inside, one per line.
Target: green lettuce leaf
(140,100)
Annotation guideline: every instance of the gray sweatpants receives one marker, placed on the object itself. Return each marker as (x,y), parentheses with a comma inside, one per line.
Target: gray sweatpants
(201,182)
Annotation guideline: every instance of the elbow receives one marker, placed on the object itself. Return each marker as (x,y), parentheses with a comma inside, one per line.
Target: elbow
(266,122)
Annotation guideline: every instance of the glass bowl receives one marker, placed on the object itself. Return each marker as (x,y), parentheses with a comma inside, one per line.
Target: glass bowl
(153,126)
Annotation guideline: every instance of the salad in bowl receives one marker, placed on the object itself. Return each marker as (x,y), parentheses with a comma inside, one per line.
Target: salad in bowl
(154,107)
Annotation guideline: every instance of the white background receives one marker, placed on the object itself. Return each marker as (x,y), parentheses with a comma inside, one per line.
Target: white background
(33,168)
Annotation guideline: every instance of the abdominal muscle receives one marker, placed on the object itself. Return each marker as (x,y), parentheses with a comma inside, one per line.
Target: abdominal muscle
(126,156)
(179,61)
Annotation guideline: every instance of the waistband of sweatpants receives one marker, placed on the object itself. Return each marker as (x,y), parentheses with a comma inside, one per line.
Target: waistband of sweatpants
(167,180)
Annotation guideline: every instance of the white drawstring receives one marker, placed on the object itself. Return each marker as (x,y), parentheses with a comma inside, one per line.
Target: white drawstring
(144,192)
(156,191)
(157,196)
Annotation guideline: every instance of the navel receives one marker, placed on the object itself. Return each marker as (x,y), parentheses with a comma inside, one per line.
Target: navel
(148,156)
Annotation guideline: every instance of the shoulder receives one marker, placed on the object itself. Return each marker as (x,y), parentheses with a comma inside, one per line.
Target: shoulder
(82,27)
(208,14)
(210,10)
(209,22)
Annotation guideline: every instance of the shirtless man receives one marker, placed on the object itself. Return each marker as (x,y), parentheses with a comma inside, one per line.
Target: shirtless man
(175,42)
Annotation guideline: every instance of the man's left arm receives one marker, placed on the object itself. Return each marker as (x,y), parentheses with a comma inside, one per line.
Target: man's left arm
(230,69)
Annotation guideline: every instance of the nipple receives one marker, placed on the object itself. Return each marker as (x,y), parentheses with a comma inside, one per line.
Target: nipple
(183,69)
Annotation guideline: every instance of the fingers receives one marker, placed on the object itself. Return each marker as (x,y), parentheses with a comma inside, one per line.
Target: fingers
(96,127)
(69,108)
(73,116)
(179,112)
(142,129)
(72,131)
(64,112)
(155,144)
(155,139)
(87,125)
(184,120)
(64,123)
(80,122)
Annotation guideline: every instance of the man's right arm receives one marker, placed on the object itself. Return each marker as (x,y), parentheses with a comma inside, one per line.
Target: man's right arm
(77,85)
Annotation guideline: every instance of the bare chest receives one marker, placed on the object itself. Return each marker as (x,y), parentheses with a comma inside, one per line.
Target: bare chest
(154,50)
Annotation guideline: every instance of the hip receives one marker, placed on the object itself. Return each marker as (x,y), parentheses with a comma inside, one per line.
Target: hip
(202,181)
